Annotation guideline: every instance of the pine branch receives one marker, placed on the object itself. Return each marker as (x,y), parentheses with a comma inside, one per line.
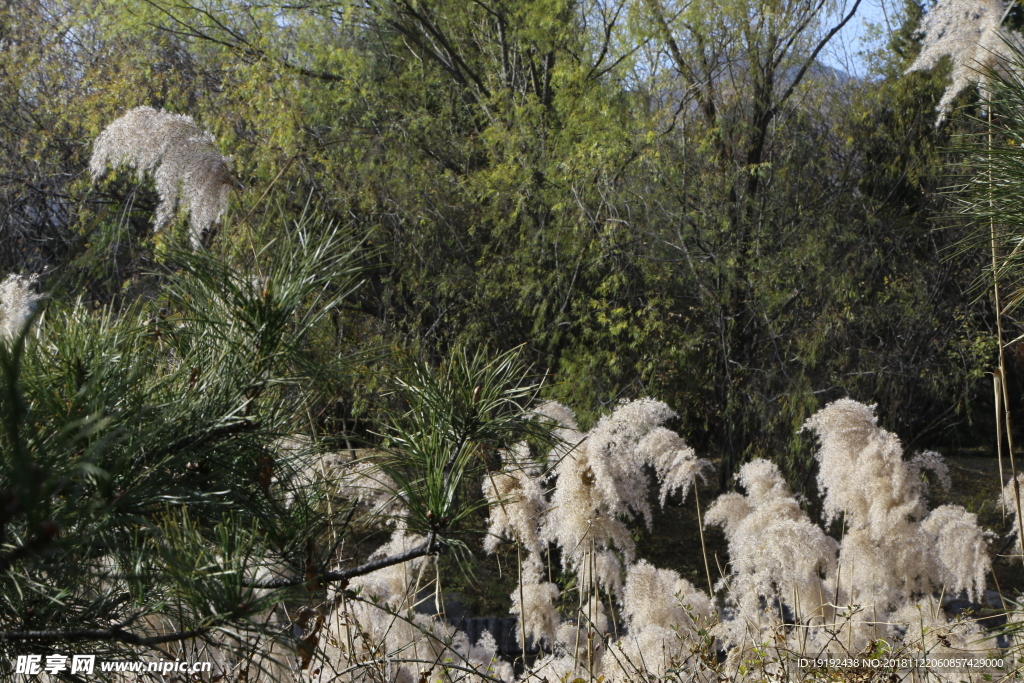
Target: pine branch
(195,440)
(427,548)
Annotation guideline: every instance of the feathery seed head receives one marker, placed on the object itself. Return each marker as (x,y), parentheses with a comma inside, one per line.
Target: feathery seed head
(601,481)
(763,481)
(970,32)
(366,483)
(657,597)
(776,552)
(537,610)
(959,548)
(516,503)
(1009,501)
(862,470)
(891,550)
(17,301)
(183,159)
(663,613)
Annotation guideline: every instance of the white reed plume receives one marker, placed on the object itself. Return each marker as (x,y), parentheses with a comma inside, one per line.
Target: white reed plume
(364,482)
(664,614)
(516,502)
(17,301)
(537,610)
(891,549)
(371,625)
(959,550)
(557,666)
(382,624)
(604,569)
(614,453)
(392,585)
(183,158)
(674,462)
(563,427)
(660,597)
(561,416)
(601,481)
(931,634)
(582,639)
(778,556)
(970,32)
(1009,502)
(862,471)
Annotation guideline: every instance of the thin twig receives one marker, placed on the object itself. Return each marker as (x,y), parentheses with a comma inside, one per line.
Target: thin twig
(426,548)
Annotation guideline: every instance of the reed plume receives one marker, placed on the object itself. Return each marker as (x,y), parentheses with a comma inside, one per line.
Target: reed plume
(183,158)
(17,301)
(971,33)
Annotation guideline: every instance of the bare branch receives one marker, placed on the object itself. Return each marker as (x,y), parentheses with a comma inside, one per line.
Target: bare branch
(814,54)
(427,548)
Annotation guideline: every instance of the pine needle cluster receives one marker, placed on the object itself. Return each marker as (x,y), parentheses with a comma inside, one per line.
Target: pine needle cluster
(146,489)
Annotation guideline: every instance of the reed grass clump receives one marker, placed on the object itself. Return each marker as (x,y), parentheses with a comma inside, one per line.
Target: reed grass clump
(789,590)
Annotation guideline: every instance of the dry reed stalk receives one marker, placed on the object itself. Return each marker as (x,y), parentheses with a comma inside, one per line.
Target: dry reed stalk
(703,547)
(579,618)
(590,611)
(1001,378)
(522,601)
(998,403)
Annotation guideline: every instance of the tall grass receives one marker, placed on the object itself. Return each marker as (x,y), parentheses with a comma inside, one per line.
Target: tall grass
(789,596)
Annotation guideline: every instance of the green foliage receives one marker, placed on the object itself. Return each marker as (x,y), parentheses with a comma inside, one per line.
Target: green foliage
(141,463)
(454,423)
(587,180)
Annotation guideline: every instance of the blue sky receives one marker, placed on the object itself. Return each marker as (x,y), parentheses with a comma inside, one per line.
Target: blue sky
(842,53)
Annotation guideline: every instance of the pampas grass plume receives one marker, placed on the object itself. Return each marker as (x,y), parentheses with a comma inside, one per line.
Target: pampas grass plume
(17,301)
(183,158)
(969,31)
